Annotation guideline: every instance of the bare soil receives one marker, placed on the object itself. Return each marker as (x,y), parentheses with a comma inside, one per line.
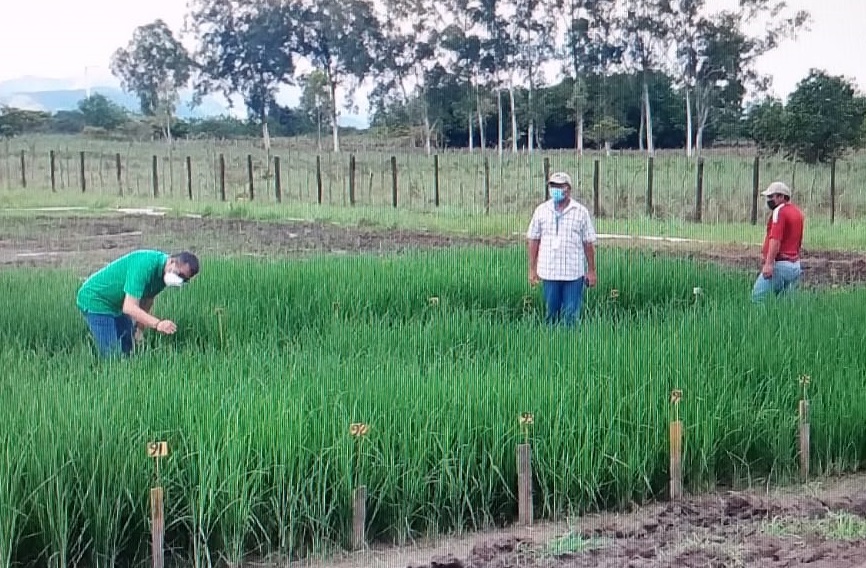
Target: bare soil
(86,243)
(816,525)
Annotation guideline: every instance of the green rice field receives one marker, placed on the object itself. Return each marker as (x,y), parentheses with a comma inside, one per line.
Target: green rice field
(274,360)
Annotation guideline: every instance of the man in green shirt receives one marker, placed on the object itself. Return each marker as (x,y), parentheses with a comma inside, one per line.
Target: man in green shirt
(118,298)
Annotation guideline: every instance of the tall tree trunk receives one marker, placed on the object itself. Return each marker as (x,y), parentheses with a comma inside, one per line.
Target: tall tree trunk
(471,132)
(481,133)
(318,128)
(649,119)
(501,126)
(266,137)
(334,128)
(704,114)
(427,131)
(642,131)
(513,119)
(530,134)
(579,134)
(688,123)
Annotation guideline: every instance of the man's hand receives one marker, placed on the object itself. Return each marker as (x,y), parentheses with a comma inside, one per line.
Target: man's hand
(591,278)
(167,327)
(533,277)
(767,270)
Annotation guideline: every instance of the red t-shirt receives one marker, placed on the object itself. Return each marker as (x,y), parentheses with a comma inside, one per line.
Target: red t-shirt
(786,225)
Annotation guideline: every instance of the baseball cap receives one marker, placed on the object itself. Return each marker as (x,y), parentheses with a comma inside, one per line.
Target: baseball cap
(777,187)
(560,178)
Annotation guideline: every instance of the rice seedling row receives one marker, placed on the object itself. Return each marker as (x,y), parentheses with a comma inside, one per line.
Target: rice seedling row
(256,401)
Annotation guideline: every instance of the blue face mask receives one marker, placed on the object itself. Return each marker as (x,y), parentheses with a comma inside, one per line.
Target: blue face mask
(557,193)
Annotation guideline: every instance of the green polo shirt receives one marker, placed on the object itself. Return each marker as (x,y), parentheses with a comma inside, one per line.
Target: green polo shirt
(138,274)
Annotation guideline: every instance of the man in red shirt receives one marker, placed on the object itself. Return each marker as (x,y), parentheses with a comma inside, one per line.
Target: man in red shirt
(781,268)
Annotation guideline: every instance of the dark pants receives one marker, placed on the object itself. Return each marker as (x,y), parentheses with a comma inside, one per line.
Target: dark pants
(111,333)
(564,300)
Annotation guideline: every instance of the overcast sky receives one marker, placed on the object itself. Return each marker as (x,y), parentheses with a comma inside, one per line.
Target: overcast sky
(59,39)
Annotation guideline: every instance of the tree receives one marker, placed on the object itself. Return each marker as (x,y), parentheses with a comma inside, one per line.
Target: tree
(765,125)
(467,53)
(532,35)
(99,112)
(14,122)
(342,38)
(246,48)
(587,49)
(716,57)
(823,118)
(316,102)
(154,66)
(410,40)
(644,29)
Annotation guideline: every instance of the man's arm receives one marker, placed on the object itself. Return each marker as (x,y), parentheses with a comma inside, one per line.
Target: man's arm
(589,251)
(134,309)
(146,304)
(777,229)
(772,251)
(533,245)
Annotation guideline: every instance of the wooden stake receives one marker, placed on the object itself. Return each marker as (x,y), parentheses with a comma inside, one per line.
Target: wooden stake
(359,517)
(524,484)
(359,430)
(804,440)
(157,527)
(157,450)
(676,439)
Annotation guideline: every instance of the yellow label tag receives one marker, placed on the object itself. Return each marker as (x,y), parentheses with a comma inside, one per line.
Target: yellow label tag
(157,449)
(359,429)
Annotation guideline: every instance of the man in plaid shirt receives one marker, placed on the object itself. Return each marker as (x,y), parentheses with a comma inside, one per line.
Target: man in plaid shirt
(562,251)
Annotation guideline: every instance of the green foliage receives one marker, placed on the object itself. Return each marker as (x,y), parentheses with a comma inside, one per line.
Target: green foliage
(822,120)
(14,122)
(154,66)
(99,112)
(257,416)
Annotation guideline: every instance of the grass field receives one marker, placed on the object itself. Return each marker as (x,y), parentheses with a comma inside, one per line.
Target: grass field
(257,412)
(515,183)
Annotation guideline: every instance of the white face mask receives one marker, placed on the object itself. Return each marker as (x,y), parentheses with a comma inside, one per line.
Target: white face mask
(172,279)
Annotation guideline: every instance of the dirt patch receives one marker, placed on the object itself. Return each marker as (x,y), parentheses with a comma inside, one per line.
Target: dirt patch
(821,528)
(86,243)
(820,267)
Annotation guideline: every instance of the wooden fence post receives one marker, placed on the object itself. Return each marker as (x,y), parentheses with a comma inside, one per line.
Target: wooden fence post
(394,181)
(756,180)
(278,184)
(23,169)
(52,167)
(833,191)
(83,174)
(189,177)
(222,177)
(436,180)
(649,185)
(699,190)
(250,175)
(155,176)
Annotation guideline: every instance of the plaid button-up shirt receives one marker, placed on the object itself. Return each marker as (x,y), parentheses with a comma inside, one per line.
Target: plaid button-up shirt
(562,235)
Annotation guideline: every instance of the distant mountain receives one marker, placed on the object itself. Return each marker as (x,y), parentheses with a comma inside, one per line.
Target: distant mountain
(59,98)
(52,95)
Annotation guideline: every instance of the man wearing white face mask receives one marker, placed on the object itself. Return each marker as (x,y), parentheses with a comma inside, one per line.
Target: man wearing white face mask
(562,251)
(116,301)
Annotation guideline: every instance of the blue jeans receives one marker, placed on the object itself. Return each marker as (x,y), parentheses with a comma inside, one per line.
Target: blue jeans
(564,300)
(111,332)
(786,276)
